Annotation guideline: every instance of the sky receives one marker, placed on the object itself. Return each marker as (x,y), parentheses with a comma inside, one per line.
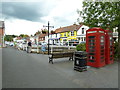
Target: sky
(29,16)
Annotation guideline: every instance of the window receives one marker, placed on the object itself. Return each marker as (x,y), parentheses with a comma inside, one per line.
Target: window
(64,34)
(81,38)
(56,35)
(68,34)
(72,33)
(84,38)
(82,30)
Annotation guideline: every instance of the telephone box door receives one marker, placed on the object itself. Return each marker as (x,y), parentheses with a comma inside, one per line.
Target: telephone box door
(109,48)
(95,46)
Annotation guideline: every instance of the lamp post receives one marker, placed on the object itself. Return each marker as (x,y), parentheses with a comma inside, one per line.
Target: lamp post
(48,33)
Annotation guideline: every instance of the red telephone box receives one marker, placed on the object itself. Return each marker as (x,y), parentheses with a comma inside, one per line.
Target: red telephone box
(95,46)
(109,48)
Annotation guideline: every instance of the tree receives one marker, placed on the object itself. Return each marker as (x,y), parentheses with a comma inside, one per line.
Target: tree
(9,37)
(38,32)
(14,36)
(23,35)
(44,31)
(102,14)
(53,32)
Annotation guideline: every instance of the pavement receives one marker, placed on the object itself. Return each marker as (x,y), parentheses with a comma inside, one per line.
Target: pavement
(24,70)
(0,68)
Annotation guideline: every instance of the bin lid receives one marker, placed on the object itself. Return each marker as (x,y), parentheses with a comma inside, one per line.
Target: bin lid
(81,52)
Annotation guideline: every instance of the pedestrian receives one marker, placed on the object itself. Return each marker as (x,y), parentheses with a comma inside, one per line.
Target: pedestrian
(29,47)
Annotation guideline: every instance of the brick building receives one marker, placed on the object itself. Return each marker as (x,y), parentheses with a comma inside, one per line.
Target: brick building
(2,33)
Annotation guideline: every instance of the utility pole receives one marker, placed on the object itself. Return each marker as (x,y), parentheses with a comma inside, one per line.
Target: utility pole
(48,33)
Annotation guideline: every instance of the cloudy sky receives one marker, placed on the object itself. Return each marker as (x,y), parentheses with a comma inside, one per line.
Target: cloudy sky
(29,16)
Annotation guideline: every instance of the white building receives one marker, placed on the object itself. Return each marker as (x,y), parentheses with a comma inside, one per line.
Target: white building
(53,38)
(15,39)
(36,39)
(32,38)
(81,33)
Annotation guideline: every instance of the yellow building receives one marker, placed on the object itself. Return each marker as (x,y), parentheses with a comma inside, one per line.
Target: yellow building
(68,35)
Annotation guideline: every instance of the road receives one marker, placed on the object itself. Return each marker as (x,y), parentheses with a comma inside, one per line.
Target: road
(23,70)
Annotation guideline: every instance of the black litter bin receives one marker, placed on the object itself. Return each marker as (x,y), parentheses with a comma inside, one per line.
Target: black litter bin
(80,61)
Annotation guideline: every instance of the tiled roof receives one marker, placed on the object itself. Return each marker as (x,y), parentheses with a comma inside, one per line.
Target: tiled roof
(1,24)
(19,38)
(68,28)
(42,35)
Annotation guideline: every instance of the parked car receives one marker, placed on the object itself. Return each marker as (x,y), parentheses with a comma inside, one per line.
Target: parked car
(11,44)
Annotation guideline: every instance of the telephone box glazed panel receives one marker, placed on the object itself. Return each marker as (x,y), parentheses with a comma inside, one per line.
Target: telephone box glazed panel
(109,48)
(95,46)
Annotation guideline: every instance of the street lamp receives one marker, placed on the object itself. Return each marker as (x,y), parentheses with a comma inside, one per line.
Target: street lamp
(48,33)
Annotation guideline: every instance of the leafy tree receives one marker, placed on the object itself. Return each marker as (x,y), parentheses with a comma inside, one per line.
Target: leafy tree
(38,32)
(44,31)
(26,36)
(8,38)
(102,14)
(23,35)
(53,32)
(14,36)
